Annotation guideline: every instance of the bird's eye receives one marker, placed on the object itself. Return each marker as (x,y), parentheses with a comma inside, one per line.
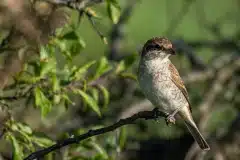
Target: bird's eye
(153,47)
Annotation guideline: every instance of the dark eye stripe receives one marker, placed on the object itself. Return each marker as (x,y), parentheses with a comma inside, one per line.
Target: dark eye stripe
(153,47)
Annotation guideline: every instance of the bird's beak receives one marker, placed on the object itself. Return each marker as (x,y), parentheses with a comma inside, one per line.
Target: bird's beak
(172,51)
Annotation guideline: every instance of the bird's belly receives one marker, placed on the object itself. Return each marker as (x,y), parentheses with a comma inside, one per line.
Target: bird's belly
(162,92)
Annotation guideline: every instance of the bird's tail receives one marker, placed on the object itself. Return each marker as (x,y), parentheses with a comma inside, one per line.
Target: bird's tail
(192,127)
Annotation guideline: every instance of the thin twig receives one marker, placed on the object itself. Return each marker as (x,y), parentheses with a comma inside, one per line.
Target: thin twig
(101,35)
(155,113)
(206,106)
(176,20)
(187,50)
(117,33)
(216,65)
(75,4)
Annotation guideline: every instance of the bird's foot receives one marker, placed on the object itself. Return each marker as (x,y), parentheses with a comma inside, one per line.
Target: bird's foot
(158,114)
(170,119)
(156,117)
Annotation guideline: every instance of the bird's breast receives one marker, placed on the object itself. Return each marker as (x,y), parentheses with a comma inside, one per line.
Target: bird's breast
(157,86)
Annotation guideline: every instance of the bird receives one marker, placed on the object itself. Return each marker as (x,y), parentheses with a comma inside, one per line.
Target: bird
(162,85)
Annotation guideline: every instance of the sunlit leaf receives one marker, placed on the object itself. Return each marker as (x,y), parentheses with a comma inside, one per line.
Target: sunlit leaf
(105,94)
(55,88)
(25,128)
(27,78)
(42,141)
(122,137)
(43,53)
(125,63)
(95,94)
(113,10)
(89,100)
(92,12)
(77,73)
(100,150)
(103,66)
(47,66)
(67,99)
(70,47)
(17,149)
(42,102)
(120,67)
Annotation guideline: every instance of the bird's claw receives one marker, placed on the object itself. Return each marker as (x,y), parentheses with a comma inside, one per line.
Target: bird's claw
(156,115)
(170,120)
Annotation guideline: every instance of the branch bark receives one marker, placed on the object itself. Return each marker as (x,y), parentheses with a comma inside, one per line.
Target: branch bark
(155,113)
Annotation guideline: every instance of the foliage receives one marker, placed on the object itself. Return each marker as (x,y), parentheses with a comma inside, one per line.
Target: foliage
(45,85)
(69,86)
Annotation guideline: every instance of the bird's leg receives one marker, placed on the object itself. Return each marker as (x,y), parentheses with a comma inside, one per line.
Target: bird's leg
(157,113)
(170,118)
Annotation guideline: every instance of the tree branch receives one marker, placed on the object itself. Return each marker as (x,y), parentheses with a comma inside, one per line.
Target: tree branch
(206,107)
(117,33)
(187,50)
(155,113)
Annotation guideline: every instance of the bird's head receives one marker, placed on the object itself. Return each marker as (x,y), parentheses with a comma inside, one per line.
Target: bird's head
(157,47)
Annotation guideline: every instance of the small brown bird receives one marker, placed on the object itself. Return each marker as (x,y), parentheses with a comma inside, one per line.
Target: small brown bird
(162,85)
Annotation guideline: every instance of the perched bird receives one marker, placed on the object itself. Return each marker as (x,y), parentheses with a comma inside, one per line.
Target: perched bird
(161,83)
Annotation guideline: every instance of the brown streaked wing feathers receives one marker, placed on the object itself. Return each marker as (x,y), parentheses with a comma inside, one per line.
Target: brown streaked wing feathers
(175,77)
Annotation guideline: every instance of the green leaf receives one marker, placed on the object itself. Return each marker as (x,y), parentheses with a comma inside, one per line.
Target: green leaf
(55,88)
(70,47)
(48,66)
(55,83)
(103,66)
(42,102)
(95,94)
(42,141)
(70,36)
(77,73)
(17,149)
(43,53)
(120,67)
(105,95)
(27,78)
(122,137)
(129,76)
(100,150)
(92,12)
(24,133)
(89,100)
(67,99)
(129,60)
(113,10)
(126,63)
(25,128)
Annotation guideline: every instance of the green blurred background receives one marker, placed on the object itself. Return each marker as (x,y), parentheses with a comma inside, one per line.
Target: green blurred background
(205,34)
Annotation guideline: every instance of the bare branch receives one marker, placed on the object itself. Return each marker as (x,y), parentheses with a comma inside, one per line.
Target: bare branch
(185,49)
(75,4)
(216,65)
(155,113)
(117,32)
(217,87)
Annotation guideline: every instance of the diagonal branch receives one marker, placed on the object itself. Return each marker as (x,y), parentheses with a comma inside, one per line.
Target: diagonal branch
(75,4)
(117,33)
(206,107)
(155,113)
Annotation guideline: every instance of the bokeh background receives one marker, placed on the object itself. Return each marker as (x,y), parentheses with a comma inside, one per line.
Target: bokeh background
(205,34)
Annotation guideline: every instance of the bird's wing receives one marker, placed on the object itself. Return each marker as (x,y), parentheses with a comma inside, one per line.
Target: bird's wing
(175,77)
